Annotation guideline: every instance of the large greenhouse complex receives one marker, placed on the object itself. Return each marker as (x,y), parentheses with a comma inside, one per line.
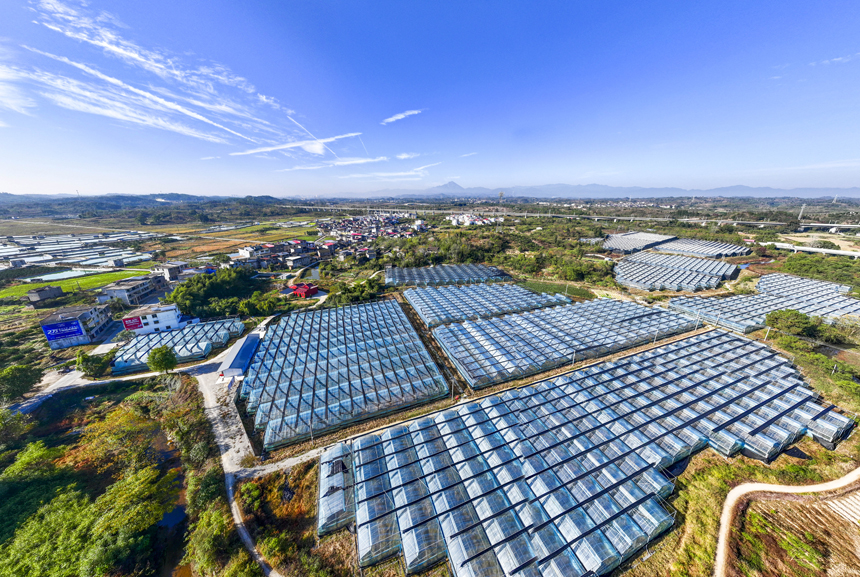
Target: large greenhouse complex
(564,478)
(746,313)
(652,271)
(318,371)
(495,350)
(704,248)
(716,268)
(190,343)
(634,241)
(443,275)
(437,306)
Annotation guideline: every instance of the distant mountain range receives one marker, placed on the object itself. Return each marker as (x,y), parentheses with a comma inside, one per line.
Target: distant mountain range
(452,190)
(592,191)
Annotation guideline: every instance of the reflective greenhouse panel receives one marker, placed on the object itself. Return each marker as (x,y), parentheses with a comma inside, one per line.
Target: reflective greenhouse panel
(437,306)
(703,248)
(192,342)
(444,275)
(318,371)
(490,351)
(746,313)
(564,476)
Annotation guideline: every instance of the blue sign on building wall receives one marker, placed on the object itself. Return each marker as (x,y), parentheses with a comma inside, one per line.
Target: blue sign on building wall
(63,330)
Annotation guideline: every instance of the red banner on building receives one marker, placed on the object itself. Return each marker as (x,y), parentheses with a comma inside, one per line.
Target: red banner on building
(132,323)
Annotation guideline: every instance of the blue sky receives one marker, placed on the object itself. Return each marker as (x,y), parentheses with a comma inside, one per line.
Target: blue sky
(306,98)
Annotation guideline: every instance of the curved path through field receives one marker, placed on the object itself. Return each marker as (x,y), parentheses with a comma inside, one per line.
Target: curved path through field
(741,490)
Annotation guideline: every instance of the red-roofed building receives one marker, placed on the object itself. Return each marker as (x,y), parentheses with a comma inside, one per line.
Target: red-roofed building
(303,290)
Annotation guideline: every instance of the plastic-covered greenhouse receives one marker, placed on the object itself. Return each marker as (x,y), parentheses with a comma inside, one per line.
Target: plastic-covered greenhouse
(322,370)
(444,274)
(495,350)
(451,304)
(193,342)
(634,241)
(705,248)
(717,268)
(651,277)
(564,477)
(824,299)
(746,313)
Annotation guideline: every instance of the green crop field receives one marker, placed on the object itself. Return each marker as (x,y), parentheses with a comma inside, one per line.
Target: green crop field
(70,285)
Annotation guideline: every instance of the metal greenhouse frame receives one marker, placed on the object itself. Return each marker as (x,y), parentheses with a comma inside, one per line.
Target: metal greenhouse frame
(746,313)
(717,268)
(564,477)
(634,241)
(703,248)
(192,342)
(437,306)
(651,277)
(491,351)
(322,370)
(444,275)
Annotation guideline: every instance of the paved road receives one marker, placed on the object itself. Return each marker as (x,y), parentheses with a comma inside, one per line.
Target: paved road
(741,490)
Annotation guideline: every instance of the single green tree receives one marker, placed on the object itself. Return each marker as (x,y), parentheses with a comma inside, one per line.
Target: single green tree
(162,359)
(125,336)
(94,366)
(17,380)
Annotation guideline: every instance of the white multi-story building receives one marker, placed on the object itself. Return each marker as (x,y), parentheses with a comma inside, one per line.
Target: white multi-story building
(71,326)
(154,319)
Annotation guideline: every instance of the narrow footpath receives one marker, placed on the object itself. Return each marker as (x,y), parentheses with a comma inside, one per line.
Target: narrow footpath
(728,515)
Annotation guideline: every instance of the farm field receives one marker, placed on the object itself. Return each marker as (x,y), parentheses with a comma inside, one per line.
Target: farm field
(70,285)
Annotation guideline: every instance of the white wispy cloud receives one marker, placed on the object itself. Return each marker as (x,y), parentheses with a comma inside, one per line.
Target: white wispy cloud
(838,60)
(146,86)
(106,101)
(156,99)
(338,162)
(414,174)
(183,89)
(468,154)
(210,157)
(316,146)
(400,116)
(11,97)
(79,25)
(407,155)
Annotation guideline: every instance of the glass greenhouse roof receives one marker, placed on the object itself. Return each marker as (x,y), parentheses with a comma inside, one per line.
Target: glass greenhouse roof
(651,271)
(634,241)
(564,477)
(192,342)
(746,313)
(717,268)
(444,274)
(322,370)
(705,248)
(451,304)
(495,350)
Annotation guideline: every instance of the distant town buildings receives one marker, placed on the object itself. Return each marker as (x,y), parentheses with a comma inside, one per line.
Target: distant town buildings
(472,220)
(72,326)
